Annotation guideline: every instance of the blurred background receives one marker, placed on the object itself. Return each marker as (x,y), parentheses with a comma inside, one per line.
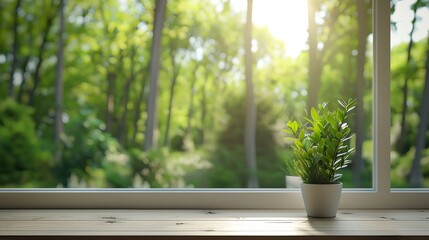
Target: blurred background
(196,93)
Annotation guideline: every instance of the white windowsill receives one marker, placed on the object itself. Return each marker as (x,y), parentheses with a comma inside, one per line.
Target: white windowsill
(20,224)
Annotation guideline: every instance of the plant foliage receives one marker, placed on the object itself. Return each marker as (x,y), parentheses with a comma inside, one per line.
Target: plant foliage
(320,143)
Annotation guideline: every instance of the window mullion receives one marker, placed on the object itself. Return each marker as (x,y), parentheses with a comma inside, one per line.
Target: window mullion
(381,103)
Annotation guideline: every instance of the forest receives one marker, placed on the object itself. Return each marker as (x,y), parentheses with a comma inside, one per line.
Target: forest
(194,93)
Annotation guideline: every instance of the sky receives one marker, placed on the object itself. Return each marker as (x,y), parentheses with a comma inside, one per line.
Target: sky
(287,20)
(403,17)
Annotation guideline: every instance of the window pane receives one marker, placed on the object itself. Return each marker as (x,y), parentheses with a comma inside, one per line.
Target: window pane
(96,133)
(409,94)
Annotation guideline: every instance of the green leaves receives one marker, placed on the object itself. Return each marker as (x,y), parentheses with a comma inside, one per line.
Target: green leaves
(293,126)
(314,114)
(321,143)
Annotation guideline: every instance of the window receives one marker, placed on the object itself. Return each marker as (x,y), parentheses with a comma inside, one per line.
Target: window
(100,131)
(256,198)
(409,86)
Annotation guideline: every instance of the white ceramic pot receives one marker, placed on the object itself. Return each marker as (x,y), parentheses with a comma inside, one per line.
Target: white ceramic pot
(321,200)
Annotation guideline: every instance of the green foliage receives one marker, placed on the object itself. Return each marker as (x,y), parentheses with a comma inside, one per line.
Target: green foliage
(86,147)
(228,162)
(321,143)
(228,168)
(401,167)
(106,61)
(21,156)
(118,175)
(288,163)
(146,165)
(161,168)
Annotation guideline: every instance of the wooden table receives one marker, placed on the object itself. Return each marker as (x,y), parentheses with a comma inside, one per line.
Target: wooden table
(212,224)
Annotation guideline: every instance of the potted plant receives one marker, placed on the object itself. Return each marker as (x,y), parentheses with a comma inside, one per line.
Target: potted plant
(321,149)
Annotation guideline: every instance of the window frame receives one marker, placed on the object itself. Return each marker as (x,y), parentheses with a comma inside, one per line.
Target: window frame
(381,196)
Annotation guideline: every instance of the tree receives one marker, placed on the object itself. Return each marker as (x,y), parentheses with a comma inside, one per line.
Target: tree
(191,109)
(122,130)
(111,74)
(50,16)
(15,50)
(138,107)
(358,163)
(59,85)
(313,68)
(415,176)
(154,71)
(132,55)
(177,44)
(324,42)
(175,74)
(249,136)
(409,72)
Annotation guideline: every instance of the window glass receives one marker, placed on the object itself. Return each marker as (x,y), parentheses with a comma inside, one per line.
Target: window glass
(75,113)
(409,94)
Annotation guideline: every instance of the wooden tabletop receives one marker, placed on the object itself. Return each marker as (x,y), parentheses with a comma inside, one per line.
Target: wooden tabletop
(246,224)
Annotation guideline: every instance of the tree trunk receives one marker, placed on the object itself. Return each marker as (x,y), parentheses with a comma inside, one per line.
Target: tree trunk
(15,48)
(204,107)
(36,75)
(190,115)
(160,7)
(122,131)
(137,110)
(111,72)
(416,176)
(249,136)
(110,99)
(400,144)
(176,70)
(59,128)
(358,163)
(314,68)
(21,90)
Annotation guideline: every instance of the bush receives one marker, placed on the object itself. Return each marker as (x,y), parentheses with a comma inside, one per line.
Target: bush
(22,161)
(86,147)
(228,159)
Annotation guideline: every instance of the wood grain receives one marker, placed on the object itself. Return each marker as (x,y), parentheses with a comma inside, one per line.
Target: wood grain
(203,224)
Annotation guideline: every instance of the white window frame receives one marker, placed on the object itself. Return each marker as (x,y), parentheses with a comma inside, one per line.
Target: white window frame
(381,196)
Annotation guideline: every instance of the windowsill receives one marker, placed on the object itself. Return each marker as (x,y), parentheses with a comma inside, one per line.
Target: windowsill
(19,224)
